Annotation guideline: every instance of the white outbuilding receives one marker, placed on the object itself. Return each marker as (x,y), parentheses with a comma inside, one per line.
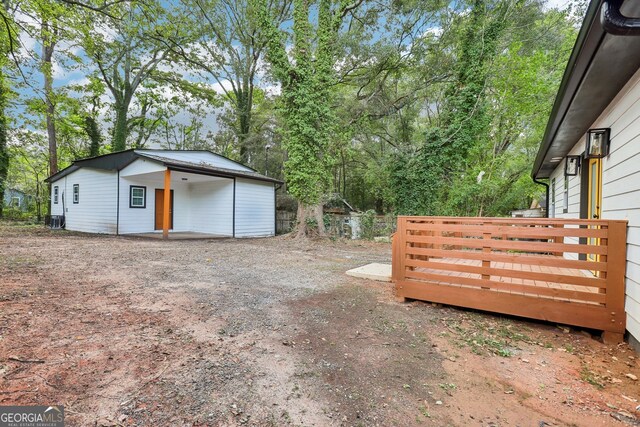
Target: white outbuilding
(164,191)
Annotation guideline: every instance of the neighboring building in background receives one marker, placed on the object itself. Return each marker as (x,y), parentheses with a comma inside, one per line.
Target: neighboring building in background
(591,150)
(123,193)
(17,199)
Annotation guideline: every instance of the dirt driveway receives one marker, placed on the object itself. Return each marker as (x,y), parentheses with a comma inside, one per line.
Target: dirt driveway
(270,332)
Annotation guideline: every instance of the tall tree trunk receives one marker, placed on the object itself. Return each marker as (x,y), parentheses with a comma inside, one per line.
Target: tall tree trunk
(318,212)
(120,128)
(48,46)
(302,221)
(243,110)
(4,153)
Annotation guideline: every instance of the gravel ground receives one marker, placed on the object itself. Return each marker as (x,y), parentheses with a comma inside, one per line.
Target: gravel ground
(270,332)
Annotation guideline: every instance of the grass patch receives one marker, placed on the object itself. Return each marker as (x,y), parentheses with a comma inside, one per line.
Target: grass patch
(486,335)
(590,377)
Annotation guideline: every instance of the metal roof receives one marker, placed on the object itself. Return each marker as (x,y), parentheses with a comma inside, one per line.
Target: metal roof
(120,160)
(598,68)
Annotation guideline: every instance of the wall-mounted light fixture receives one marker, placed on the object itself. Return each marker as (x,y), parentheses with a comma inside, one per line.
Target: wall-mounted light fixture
(597,143)
(572,165)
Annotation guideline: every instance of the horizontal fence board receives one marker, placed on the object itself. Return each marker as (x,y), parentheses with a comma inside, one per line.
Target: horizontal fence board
(513,273)
(548,261)
(513,231)
(585,315)
(523,246)
(486,220)
(531,290)
(520,266)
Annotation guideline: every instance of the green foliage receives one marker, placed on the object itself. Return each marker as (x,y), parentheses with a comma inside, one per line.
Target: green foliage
(476,159)
(93,132)
(368,224)
(306,107)
(412,107)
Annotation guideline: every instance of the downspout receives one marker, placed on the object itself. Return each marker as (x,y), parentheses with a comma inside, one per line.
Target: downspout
(614,22)
(546,215)
(233,221)
(64,210)
(118,205)
(64,214)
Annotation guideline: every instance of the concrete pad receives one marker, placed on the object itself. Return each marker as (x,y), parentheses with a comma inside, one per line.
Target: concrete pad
(374,271)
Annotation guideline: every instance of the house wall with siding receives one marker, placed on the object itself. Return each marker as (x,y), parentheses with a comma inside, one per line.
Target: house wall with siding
(255,208)
(204,204)
(620,185)
(95,211)
(204,207)
(212,207)
(142,220)
(142,166)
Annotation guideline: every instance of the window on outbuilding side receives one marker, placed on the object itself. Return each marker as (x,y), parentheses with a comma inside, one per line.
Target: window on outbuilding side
(137,197)
(76,194)
(55,194)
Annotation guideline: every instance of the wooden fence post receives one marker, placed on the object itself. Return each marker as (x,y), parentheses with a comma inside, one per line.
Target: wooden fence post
(616,270)
(486,249)
(558,239)
(395,255)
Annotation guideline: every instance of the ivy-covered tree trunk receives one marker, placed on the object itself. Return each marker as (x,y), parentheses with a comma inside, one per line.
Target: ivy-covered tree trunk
(123,98)
(92,130)
(424,182)
(308,114)
(243,110)
(4,153)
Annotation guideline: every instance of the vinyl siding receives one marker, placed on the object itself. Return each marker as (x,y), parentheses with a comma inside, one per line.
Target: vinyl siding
(95,211)
(138,220)
(255,208)
(620,185)
(201,204)
(204,207)
(56,208)
(212,207)
(142,167)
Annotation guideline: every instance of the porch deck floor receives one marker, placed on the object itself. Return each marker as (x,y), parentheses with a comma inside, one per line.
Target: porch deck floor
(533,284)
(179,235)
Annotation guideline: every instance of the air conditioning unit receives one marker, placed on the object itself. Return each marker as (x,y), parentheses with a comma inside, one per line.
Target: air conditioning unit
(57,222)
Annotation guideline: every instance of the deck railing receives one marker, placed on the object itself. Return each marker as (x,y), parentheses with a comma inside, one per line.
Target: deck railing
(565,271)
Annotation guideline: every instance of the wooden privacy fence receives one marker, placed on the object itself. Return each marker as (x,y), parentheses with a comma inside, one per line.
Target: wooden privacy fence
(565,271)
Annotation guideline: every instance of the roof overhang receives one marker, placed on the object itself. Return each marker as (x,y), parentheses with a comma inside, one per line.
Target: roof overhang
(599,67)
(119,160)
(114,161)
(219,172)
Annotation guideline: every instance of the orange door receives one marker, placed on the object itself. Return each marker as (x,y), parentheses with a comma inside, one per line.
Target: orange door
(160,209)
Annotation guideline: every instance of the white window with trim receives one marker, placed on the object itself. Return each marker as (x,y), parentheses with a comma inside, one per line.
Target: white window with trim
(56,192)
(76,194)
(137,197)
